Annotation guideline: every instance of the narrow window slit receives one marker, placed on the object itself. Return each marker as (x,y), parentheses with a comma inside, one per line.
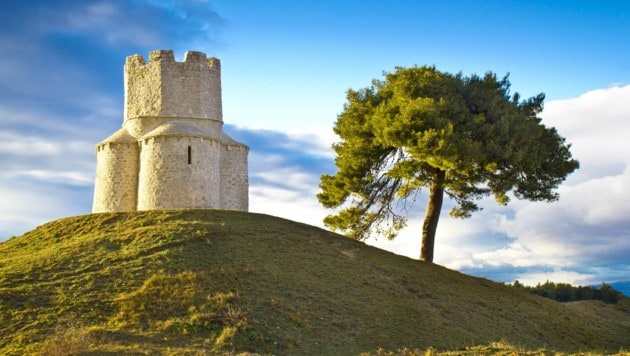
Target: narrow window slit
(189,154)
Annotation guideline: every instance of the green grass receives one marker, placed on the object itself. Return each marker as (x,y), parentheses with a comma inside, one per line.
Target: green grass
(209,281)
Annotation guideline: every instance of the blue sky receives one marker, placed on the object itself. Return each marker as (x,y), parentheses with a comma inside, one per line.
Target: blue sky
(286,67)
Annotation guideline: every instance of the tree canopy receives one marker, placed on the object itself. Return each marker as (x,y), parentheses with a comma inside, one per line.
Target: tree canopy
(466,137)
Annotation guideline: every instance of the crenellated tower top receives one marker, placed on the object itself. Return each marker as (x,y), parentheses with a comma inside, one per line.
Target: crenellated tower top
(165,88)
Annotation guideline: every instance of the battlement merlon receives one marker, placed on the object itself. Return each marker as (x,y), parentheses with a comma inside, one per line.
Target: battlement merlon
(168,56)
(164,87)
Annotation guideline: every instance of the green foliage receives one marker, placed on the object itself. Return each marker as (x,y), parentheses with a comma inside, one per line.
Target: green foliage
(150,283)
(564,292)
(403,133)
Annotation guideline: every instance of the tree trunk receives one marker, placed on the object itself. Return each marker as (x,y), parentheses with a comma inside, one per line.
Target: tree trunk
(432,215)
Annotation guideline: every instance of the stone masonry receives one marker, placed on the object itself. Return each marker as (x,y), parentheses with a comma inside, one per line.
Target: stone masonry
(171,151)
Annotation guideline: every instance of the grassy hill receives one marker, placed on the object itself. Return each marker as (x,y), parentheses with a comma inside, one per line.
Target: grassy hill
(197,281)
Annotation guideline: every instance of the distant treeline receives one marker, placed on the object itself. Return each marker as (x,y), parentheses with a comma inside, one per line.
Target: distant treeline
(564,292)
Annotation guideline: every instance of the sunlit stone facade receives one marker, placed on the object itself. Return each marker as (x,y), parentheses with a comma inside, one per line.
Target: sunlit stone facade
(171,151)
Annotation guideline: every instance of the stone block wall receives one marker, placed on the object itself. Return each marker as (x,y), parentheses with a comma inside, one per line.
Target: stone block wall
(171,151)
(171,178)
(166,88)
(234,180)
(116,177)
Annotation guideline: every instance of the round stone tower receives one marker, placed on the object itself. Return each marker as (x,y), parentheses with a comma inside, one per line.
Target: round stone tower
(117,164)
(171,151)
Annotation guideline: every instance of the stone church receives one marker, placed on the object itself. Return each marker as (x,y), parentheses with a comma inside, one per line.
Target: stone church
(171,151)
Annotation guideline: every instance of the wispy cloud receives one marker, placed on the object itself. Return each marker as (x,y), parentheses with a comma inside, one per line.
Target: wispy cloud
(590,224)
(123,23)
(284,171)
(596,124)
(28,201)
(77,178)
(274,151)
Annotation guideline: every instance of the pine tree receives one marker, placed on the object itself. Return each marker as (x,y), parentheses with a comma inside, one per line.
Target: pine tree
(463,137)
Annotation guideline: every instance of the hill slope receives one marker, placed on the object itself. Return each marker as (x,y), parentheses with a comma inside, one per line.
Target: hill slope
(191,280)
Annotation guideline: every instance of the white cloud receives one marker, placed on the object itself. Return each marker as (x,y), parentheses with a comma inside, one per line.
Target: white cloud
(299,181)
(318,141)
(590,224)
(282,185)
(597,124)
(557,276)
(314,142)
(93,15)
(112,22)
(40,156)
(407,243)
(147,24)
(16,144)
(22,204)
(515,254)
(288,204)
(50,176)
(27,203)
